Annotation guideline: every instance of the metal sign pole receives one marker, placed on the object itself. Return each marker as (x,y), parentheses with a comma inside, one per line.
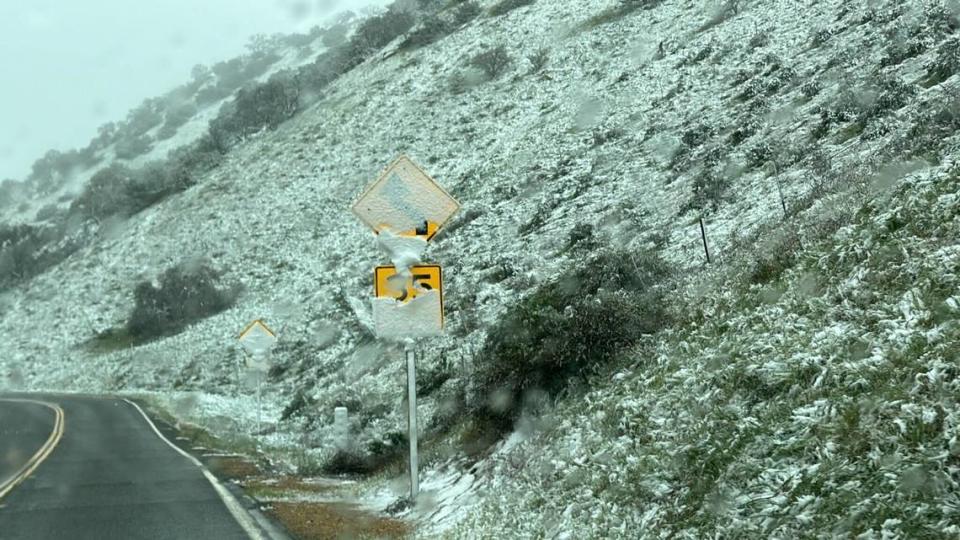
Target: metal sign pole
(257,362)
(412,421)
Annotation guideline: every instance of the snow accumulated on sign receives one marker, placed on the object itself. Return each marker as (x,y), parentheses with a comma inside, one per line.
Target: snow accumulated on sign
(419,317)
(257,339)
(404,251)
(406,200)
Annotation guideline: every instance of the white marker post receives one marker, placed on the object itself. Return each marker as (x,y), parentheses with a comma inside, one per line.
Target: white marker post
(412,421)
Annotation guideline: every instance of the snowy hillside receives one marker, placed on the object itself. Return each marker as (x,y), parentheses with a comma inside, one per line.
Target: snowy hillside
(804,383)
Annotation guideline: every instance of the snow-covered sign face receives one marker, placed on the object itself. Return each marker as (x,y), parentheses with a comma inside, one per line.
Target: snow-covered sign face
(406,201)
(420,317)
(409,304)
(257,339)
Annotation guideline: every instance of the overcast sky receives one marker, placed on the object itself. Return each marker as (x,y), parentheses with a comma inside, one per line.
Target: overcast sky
(69,66)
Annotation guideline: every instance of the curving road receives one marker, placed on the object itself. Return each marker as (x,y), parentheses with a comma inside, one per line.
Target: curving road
(110,475)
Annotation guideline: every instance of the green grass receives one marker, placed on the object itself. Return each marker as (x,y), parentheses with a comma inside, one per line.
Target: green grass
(111,341)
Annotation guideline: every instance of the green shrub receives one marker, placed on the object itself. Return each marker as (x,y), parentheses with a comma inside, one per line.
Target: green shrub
(566,329)
(186,293)
(506,6)
(346,463)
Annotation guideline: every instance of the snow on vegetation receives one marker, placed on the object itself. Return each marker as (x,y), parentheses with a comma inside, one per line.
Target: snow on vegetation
(803,384)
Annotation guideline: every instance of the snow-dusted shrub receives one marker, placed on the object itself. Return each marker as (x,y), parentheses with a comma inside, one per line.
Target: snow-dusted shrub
(142,119)
(492,62)
(811,88)
(9,191)
(931,130)
(945,64)
(18,246)
(538,60)
(325,69)
(256,108)
(185,294)
(466,12)
(431,29)
(211,94)
(186,162)
(106,194)
(154,182)
(760,39)
(229,75)
(376,32)
(566,329)
(901,50)
(506,6)
(129,147)
(722,11)
(619,11)
(776,254)
(175,117)
(48,212)
(27,251)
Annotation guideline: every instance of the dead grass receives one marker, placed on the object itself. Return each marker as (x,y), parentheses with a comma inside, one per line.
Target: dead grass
(323,521)
(287,486)
(231,467)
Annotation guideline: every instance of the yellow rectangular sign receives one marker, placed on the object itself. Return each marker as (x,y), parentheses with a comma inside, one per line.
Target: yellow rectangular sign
(425,277)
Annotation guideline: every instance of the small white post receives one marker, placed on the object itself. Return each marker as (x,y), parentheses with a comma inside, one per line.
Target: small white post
(341,428)
(412,421)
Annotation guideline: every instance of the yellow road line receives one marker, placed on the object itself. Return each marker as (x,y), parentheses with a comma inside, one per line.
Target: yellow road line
(42,454)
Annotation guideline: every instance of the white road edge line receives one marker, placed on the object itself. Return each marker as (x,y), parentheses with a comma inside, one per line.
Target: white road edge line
(234,506)
(41,454)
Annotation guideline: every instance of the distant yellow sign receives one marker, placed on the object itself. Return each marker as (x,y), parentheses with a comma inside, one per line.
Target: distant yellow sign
(405,200)
(256,326)
(389,284)
(257,338)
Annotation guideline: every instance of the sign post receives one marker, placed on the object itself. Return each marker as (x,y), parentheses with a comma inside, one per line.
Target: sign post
(406,208)
(412,421)
(257,339)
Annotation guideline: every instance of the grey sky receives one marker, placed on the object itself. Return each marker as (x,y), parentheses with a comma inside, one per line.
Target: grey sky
(71,65)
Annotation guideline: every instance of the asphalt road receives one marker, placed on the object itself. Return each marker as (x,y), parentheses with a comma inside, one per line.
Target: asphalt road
(110,476)
(24,428)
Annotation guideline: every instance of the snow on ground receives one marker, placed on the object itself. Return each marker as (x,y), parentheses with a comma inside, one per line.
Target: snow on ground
(530,156)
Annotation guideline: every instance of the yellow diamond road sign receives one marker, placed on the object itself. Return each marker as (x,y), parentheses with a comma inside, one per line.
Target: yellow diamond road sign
(406,201)
(256,338)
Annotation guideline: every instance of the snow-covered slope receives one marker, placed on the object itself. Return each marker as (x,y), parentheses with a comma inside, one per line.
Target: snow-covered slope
(531,155)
